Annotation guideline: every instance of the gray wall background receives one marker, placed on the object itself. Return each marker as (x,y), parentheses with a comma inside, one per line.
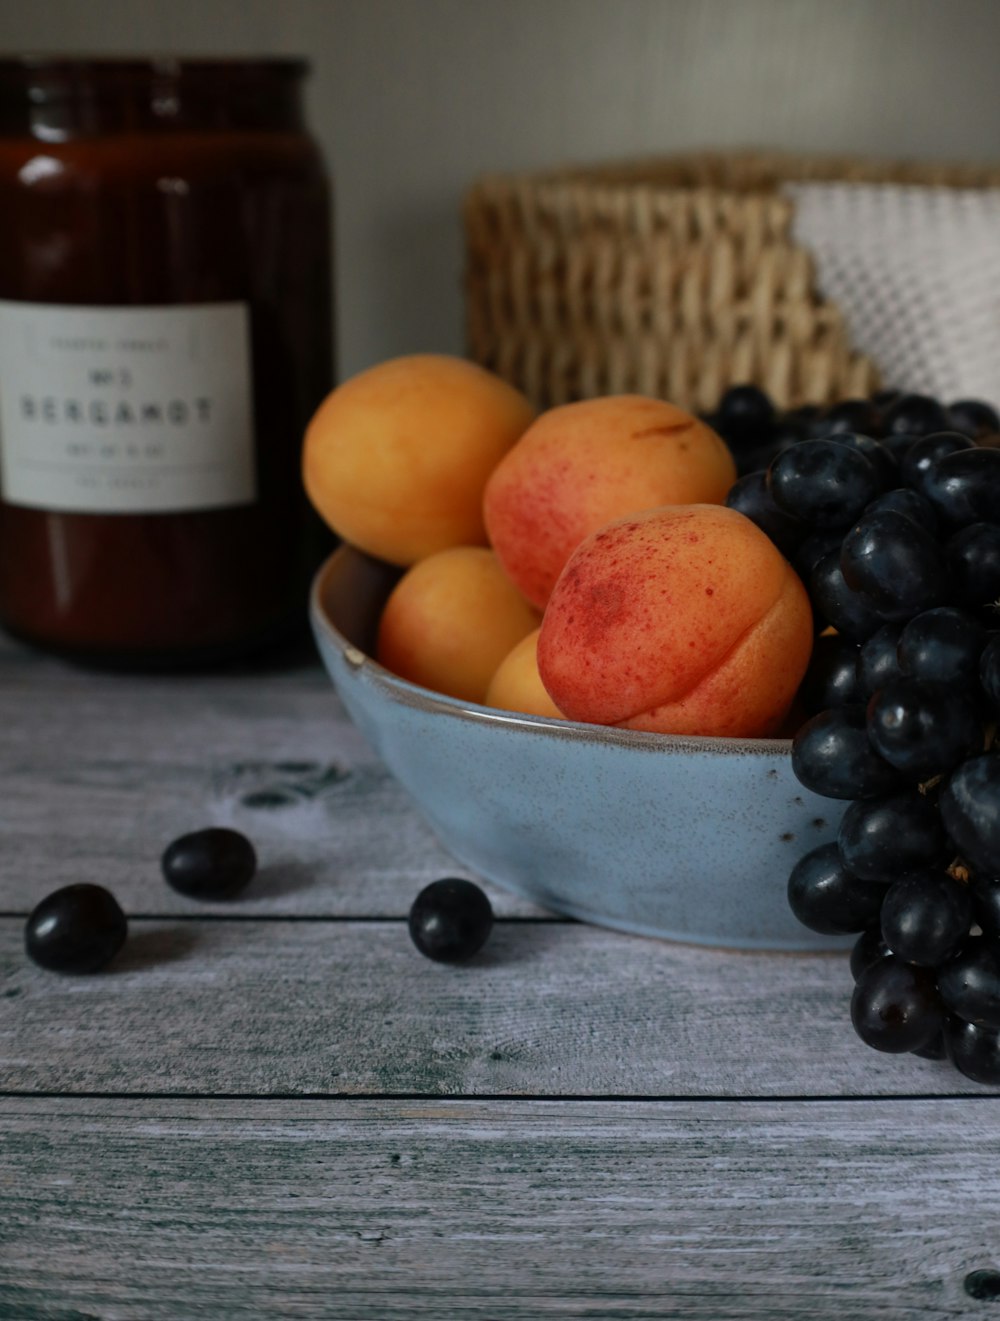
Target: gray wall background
(414,99)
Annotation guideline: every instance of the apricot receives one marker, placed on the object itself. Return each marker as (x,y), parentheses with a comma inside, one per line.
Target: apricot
(450,620)
(582,465)
(396,458)
(683,620)
(517,685)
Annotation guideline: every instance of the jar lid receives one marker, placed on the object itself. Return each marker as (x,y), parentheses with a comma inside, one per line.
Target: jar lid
(56,96)
(40,63)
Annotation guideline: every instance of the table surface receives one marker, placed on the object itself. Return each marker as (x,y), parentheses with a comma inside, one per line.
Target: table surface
(276,1107)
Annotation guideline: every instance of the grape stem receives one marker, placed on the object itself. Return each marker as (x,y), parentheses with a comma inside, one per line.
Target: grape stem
(959,871)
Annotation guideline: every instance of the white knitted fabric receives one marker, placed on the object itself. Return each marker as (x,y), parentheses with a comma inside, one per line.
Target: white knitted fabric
(916,272)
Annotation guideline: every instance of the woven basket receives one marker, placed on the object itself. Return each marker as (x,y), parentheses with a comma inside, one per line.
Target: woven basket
(674,278)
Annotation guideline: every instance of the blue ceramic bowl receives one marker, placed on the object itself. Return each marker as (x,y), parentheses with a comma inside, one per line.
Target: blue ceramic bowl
(690,839)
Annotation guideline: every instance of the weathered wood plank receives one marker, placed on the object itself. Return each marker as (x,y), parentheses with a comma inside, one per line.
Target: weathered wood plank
(333,838)
(132,1211)
(350,1007)
(102,771)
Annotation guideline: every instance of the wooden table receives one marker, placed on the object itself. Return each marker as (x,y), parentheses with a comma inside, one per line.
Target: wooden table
(276,1108)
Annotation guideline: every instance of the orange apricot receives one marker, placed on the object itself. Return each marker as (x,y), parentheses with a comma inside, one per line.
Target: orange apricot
(581,465)
(517,685)
(395,459)
(683,620)
(450,620)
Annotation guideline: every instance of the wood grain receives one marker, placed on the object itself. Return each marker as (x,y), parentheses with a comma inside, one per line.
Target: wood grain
(110,768)
(247,1115)
(272,1008)
(131,1211)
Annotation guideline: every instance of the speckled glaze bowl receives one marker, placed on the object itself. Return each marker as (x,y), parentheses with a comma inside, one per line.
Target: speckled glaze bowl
(690,839)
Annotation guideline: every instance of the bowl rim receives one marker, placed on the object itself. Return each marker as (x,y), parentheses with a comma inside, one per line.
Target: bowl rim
(412,695)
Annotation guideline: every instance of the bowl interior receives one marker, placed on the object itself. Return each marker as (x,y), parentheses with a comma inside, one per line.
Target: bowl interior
(350,591)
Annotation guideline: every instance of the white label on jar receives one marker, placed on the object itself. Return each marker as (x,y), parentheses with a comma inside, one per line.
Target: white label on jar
(126,410)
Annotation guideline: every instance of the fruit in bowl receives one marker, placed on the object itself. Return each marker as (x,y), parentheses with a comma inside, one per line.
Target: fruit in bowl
(682,617)
(686,838)
(593,812)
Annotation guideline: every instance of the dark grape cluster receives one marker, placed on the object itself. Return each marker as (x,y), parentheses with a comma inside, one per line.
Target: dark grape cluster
(889,508)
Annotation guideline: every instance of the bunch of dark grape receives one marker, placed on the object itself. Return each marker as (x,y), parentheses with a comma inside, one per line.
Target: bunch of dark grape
(889,508)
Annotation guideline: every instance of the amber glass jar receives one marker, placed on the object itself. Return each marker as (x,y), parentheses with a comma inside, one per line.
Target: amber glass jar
(165,334)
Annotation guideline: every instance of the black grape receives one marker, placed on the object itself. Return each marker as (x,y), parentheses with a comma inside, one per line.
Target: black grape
(911,503)
(969,984)
(813,547)
(881,838)
(985,894)
(852,416)
(883,399)
(927,451)
(744,412)
(867,949)
(972,556)
(989,672)
(825,897)
(837,603)
(970,810)
(942,644)
(934,1050)
(973,418)
(832,756)
(831,679)
(450,920)
(213,863)
(877,662)
(916,413)
(787,429)
(894,564)
(805,415)
(974,1051)
(923,728)
(898,443)
(76,929)
(749,496)
(926,917)
(964,487)
(883,460)
(823,482)
(895,1006)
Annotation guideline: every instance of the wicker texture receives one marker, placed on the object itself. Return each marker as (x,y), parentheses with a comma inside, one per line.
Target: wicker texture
(674,278)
